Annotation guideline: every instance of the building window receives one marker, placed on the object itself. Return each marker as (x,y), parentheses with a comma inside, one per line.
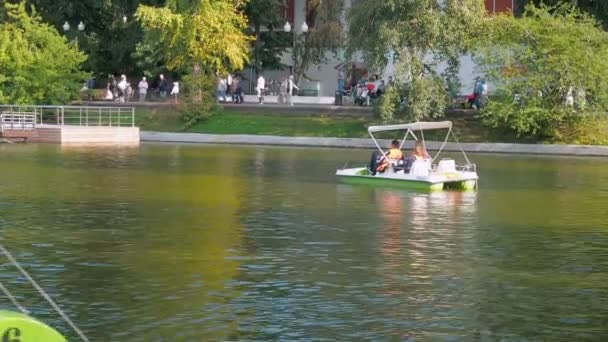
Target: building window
(499,6)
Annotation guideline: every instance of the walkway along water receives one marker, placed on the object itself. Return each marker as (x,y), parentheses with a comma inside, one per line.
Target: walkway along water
(578,150)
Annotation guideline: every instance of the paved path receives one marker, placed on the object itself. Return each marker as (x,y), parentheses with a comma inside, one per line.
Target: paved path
(255,108)
(578,150)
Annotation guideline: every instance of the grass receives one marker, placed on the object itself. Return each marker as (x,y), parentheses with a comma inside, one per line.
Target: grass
(168,120)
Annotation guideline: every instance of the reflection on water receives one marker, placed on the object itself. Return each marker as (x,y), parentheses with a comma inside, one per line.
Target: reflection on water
(191,243)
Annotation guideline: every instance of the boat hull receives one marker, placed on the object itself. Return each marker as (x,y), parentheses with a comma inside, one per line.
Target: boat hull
(436,183)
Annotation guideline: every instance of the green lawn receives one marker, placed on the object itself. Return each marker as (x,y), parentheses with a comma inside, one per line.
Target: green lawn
(167,120)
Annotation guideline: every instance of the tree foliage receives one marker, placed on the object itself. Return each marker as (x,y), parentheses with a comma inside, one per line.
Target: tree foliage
(108,41)
(325,35)
(266,18)
(597,8)
(416,35)
(206,33)
(37,64)
(540,62)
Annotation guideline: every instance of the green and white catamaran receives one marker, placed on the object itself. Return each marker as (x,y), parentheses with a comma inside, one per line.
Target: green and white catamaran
(424,174)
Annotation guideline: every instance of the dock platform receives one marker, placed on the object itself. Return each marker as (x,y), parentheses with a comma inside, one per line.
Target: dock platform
(81,125)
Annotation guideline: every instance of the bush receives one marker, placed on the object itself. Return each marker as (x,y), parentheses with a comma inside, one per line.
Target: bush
(549,68)
(197,99)
(389,104)
(422,99)
(591,130)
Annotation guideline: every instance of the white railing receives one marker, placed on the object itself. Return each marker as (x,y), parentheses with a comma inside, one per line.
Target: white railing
(17,121)
(74,115)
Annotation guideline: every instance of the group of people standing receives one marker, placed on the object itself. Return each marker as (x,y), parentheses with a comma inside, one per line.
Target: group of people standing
(229,88)
(122,91)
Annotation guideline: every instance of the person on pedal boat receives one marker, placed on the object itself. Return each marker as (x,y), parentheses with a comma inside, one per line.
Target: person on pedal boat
(393,155)
(420,151)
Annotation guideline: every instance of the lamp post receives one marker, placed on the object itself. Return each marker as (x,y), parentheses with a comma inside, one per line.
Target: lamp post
(66,28)
(303,30)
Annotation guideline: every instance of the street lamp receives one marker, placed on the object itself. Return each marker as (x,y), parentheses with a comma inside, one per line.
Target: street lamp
(66,26)
(303,30)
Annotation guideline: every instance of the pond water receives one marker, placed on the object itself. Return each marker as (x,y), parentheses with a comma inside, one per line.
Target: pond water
(207,243)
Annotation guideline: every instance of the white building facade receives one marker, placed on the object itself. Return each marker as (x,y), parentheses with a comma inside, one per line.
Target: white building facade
(324,77)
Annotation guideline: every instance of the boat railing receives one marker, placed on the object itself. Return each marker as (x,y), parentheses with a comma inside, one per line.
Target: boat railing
(74,115)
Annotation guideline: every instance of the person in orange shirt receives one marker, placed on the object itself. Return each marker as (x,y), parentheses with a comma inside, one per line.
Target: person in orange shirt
(393,154)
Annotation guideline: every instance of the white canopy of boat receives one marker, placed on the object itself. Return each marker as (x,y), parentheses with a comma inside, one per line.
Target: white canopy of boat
(416,126)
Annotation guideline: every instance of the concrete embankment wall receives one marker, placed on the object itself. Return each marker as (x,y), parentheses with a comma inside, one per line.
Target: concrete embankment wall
(541,149)
(85,135)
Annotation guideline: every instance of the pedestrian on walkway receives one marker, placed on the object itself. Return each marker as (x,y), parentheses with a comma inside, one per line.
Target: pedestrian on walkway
(143,89)
(261,86)
(122,88)
(290,87)
(221,89)
(175,91)
(341,80)
(162,87)
(229,83)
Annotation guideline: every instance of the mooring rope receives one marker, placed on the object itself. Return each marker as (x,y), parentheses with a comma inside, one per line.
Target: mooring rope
(43,293)
(13,299)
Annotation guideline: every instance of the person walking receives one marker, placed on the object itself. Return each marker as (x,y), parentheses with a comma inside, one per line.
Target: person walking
(142,87)
(162,87)
(290,87)
(229,87)
(221,89)
(341,80)
(114,86)
(175,91)
(261,86)
(477,90)
(122,88)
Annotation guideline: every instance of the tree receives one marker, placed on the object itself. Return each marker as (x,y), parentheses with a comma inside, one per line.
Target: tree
(549,68)
(199,38)
(31,71)
(109,42)
(209,34)
(265,16)
(416,35)
(325,35)
(597,8)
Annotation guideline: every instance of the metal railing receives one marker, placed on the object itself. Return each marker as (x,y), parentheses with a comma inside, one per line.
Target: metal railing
(74,115)
(17,121)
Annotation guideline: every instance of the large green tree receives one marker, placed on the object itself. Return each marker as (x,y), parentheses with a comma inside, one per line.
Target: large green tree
(109,42)
(416,35)
(549,67)
(205,34)
(37,64)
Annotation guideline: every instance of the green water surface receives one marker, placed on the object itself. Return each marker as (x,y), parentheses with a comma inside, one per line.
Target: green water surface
(216,243)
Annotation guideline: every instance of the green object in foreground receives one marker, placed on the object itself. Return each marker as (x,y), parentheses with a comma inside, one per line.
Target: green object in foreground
(16,327)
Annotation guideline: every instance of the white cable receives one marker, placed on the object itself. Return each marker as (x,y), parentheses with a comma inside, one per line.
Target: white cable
(44,294)
(13,299)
